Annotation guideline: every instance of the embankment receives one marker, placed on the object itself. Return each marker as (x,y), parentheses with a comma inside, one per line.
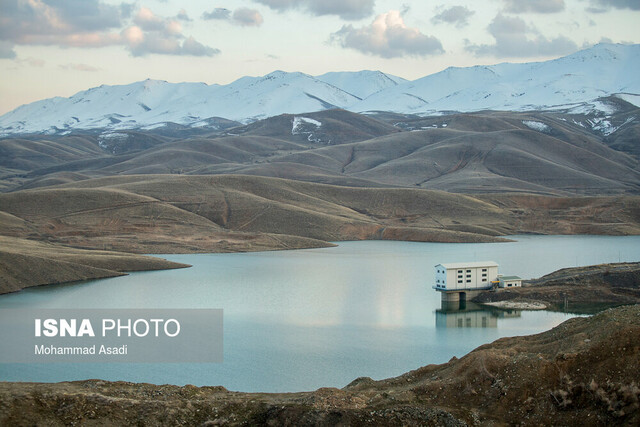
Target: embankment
(579,289)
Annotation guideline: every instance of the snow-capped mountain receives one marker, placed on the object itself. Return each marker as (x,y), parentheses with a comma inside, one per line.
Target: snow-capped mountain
(566,82)
(575,81)
(362,83)
(150,103)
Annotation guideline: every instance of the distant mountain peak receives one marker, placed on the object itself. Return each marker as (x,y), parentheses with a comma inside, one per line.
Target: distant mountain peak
(568,82)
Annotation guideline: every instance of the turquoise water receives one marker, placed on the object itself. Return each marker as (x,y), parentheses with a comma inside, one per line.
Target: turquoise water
(299,320)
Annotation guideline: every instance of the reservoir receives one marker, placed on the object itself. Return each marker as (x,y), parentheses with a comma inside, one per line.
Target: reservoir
(304,319)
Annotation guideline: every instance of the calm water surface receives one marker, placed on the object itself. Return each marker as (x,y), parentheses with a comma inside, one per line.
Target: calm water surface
(299,320)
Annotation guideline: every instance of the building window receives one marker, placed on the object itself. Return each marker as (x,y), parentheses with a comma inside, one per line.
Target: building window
(484,269)
(509,285)
(484,280)
(469,281)
(468,275)
(459,271)
(459,276)
(468,271)
(484,274)
(459,281)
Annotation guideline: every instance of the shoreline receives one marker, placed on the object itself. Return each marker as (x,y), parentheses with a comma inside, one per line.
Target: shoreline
(514,305)
(586,289)
(89,266)
(511,380)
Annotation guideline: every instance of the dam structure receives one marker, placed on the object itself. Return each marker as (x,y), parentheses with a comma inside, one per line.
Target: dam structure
(460,281)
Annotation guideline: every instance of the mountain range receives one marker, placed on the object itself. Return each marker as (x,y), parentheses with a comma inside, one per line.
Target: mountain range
(290,161)
(575,83)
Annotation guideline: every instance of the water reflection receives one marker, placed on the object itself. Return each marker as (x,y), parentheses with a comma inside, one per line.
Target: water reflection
(470,315)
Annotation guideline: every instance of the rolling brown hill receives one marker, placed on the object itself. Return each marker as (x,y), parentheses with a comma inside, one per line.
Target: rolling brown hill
(25,263)
(337,127)
(273,185)
(490,152)
(503,158)
(171,213)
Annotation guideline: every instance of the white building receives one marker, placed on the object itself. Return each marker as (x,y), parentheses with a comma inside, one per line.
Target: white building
(462,276)
(509,281)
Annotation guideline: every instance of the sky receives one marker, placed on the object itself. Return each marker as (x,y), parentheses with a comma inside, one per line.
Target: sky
(60,47)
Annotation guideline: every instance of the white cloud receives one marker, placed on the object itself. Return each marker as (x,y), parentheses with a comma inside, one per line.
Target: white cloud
(92,23)
(247,17)
(535,6)
(601,6)
(514,38)
(217,13)
(243,16)
(387,36)
(22,20)
(457,15)
(345,9)
(193,47)
(142,43)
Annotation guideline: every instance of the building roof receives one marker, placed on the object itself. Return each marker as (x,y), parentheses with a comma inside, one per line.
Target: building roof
(475,264)
(510,278)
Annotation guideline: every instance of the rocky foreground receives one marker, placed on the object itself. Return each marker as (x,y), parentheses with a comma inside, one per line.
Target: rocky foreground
(585,371)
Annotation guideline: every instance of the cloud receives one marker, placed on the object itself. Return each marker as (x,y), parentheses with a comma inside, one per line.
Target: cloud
(345,9)
(92,23)
(142,43)
(601,6)
(126,9)
(149,21)
(22,22)
(182,15)
(457,15)
(153,34)
(534,6)
(78,67)
(193,47)
(388,37)
(514,38)
(217,13)
(247,17)
(243,16)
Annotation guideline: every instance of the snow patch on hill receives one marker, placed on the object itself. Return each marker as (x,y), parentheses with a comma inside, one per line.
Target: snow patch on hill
(299,123)
(306,126)
(539,126)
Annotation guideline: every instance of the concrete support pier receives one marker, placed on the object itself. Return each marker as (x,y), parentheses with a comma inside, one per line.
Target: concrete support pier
(459,296)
